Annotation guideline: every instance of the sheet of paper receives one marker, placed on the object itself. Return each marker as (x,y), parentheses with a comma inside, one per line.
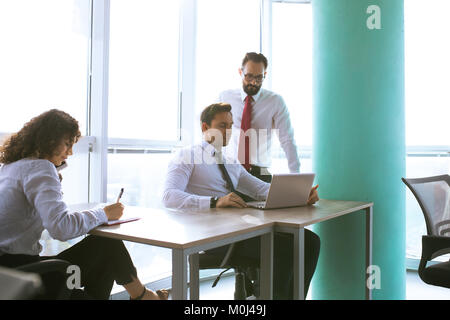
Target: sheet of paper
(114,222)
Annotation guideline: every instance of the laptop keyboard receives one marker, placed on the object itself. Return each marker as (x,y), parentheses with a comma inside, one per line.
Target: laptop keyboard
(257,204)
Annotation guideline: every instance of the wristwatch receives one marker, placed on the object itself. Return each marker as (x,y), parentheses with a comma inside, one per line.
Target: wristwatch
(213,202)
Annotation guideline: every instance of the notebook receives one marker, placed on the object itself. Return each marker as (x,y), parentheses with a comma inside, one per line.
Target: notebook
(114,222)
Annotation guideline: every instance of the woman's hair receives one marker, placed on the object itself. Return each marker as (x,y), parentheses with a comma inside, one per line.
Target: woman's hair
(40,137)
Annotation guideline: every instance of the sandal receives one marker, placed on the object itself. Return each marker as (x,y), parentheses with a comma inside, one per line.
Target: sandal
(163,294)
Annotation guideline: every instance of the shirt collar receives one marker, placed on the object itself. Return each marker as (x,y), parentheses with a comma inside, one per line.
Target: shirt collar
(209,148)
(255,97)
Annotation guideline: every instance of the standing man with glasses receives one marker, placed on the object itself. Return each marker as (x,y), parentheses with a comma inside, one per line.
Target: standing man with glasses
(256,111)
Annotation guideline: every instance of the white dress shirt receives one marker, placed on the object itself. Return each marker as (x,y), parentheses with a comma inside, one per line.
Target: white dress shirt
(31,201)
(268,112)
(194,177)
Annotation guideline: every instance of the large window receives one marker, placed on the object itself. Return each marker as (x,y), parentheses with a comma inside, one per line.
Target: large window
(43,60)
(291,75)
(44,63)
(143,104)
(143,70)
(226,30)
(427,104)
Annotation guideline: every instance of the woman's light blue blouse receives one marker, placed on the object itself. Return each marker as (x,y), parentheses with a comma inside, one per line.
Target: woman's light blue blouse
(31,201)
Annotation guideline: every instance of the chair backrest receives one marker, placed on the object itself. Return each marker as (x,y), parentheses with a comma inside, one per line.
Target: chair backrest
(19,285)
(433,196)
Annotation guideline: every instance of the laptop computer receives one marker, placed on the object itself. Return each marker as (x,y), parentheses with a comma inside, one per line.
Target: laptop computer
(286,190)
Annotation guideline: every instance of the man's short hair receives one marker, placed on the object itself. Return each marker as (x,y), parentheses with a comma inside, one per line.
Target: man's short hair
(210,111)
(255,57)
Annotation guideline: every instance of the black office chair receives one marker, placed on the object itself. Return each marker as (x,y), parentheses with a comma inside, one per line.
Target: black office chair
(246,270)
(433,196)
(18,285)
(55,268)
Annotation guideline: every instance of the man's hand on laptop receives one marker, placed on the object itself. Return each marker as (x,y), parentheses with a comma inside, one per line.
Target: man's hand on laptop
(231,200)
(313,195)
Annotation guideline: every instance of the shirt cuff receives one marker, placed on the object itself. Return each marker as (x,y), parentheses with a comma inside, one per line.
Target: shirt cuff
(101,216)
(204,203)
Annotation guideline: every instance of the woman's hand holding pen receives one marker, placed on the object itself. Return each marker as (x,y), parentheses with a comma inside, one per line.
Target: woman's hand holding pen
(114,211)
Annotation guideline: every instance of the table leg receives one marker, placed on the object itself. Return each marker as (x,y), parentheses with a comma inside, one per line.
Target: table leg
(369,221)
(179,275)
(266,278)
(299,264)
(194,292)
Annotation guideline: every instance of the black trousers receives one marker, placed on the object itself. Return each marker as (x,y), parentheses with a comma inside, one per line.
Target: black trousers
(101,261)
(283,260)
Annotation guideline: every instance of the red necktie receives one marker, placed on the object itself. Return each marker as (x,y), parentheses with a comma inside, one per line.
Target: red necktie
(244,145)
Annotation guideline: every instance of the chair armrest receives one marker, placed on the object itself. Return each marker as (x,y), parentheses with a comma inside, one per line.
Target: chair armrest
(45,266)
(18,285)
(434,246)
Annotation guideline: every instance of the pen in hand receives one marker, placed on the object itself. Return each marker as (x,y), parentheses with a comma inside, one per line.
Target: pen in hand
(120,195)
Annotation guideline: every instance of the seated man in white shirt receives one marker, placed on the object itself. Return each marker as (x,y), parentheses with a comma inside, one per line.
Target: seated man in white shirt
(199,177)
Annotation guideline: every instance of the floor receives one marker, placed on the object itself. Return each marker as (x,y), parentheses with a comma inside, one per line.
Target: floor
(416,289)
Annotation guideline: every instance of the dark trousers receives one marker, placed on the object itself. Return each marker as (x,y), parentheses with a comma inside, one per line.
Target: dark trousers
(283,260)
(101,261)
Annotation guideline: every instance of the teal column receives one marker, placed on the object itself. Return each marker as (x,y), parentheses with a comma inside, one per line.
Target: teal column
(359,143)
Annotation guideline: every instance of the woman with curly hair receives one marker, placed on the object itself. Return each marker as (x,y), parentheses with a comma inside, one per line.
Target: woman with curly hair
(31,201)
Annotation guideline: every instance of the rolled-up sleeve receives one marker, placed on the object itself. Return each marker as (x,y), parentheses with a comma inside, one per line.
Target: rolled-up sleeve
(42,189)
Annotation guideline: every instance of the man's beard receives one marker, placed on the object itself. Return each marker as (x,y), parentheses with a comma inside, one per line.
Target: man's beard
(250,89)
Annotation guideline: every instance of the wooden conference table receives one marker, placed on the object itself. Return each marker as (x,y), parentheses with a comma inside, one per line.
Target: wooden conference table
(187,232)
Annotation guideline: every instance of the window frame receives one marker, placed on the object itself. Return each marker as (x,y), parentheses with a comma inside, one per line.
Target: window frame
(98,104)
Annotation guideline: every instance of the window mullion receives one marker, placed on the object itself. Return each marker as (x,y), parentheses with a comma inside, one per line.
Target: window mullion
(187,70)
(99,101)
(266,36)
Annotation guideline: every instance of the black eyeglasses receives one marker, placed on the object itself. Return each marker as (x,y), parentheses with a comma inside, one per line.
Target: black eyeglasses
(250,77)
